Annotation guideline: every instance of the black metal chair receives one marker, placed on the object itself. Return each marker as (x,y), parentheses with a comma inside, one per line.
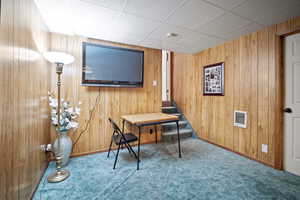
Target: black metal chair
(120,139)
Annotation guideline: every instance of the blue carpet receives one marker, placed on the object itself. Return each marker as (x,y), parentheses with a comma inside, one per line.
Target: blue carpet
(204,172)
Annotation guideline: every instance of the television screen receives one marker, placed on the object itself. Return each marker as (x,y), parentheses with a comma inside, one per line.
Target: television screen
(112,66)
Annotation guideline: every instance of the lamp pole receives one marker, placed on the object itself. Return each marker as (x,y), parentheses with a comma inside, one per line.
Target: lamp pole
(60,59)
(59,70)
(59,174)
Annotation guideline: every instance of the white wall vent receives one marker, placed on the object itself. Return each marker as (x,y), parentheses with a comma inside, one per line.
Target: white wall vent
(240,119)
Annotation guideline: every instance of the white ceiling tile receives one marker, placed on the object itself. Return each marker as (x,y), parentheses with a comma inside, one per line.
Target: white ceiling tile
(56,15)
(162,30)
(266,12)
(153,43)
(180,48)
(93,33)
(183,34)
(254,9)
(113,4)
(192,49)
(173,47)
(157,10)
(224,24)
(167,44)
(201,41)
(227,4)
(125,38)
(131,24)
(194,14)
(253,27)
(95,22)
(200,24)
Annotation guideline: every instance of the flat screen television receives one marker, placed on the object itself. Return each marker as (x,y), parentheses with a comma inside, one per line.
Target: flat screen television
(109,66)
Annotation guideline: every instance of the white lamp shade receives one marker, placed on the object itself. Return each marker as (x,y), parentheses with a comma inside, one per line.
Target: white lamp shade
(58,57)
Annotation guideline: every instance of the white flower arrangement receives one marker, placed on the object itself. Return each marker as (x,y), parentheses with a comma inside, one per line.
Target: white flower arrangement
(68,113)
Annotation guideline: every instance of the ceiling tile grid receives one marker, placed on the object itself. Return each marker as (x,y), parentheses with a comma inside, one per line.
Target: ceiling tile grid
(156,10)
(117,5)
(83,19)
(199,24)
(194,13)
(130,24)
(226,4)
(224,24)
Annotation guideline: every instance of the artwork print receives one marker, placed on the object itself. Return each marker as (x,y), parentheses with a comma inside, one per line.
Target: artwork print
(213,76)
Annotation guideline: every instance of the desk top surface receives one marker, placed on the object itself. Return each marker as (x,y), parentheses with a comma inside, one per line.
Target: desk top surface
(148,118)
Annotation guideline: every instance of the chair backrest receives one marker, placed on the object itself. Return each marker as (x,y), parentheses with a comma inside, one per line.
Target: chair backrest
(115,127)
(117,130)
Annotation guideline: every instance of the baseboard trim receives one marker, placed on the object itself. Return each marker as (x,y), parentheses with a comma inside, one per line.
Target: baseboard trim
(39,181)
(104,150)
(241,154)
(152,142)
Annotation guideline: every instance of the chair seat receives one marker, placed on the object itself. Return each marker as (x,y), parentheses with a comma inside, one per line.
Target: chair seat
(128,136)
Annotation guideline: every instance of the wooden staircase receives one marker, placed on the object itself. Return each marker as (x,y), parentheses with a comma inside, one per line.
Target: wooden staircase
(169,131)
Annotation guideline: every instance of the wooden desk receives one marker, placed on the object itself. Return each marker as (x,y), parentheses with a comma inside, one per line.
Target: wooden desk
(150,119)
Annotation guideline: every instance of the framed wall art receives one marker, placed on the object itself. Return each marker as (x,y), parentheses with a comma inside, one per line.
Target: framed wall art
(213,79)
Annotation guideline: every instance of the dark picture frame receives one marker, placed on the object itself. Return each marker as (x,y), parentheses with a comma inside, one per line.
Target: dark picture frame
(213,79)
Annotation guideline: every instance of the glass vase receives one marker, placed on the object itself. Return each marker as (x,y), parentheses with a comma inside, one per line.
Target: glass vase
(65,147)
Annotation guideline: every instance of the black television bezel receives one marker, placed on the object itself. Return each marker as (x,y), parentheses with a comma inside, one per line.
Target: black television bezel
(103,83)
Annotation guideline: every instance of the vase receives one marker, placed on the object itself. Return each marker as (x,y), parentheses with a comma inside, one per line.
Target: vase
(65,147)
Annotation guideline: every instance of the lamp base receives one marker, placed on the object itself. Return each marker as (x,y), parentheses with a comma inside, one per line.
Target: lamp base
(58,176)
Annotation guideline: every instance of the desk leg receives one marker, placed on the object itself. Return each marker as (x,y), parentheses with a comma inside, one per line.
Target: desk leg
(139,142)
(123,125)
(178,138)
(155,128)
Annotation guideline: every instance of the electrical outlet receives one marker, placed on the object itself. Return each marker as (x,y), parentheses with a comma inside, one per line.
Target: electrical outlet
(264,148)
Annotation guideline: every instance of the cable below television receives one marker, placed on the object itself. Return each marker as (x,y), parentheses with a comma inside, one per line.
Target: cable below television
(88,122)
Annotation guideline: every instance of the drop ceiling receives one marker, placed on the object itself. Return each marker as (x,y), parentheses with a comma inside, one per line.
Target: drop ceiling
(200,24)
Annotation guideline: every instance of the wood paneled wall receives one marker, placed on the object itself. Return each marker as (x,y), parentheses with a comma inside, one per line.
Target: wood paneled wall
(113,102)
(253,82)
(24,81)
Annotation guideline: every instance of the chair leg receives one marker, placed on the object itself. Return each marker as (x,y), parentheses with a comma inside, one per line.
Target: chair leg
(129,151)
(110,147)
(132,151)
(117,156)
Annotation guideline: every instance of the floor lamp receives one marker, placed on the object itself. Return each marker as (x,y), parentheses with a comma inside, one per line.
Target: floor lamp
(60,59)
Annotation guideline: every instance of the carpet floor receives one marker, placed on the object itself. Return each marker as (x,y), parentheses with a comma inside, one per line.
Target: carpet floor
(204,172)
